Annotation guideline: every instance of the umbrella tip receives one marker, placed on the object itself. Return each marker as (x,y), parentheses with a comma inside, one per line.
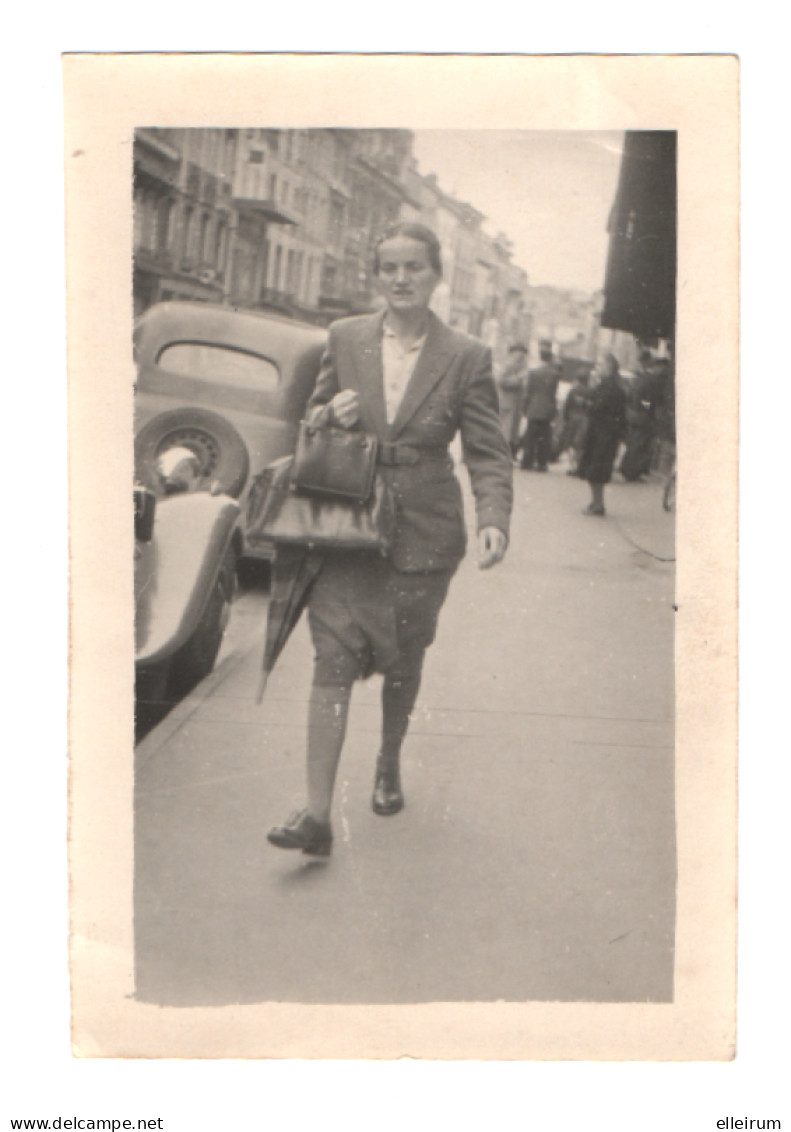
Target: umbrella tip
(261,687)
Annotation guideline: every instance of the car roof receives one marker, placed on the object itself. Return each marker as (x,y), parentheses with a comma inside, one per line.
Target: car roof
(272,335)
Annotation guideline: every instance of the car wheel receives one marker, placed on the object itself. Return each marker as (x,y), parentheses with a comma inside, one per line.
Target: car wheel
(221,452)
(195,659)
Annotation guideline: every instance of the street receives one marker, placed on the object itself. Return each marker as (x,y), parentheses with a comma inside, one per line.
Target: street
(535,859)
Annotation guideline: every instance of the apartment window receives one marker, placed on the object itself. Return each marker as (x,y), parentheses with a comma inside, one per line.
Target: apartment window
(192,242)
(272,186)
(219,243)
(276,268)
(329,276)
(336,222)
(212,140)
(256,157)
(203,243)
(242,273)
(263,257)
(188,215)
(230,150)
(165,225)
(149,232)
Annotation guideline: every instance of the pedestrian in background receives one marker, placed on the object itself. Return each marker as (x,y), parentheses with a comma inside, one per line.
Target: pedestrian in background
(404,376)
(641,406)
(575,419)
(511,389)
(606,429)
(665,402)
(540,408)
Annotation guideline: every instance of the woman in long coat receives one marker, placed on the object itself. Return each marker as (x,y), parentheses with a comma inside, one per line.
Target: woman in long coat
(407,378)
(606,429)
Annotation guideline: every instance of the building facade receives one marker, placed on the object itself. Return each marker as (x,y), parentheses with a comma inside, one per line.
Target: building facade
(287,220)
(182,214)
(569,319)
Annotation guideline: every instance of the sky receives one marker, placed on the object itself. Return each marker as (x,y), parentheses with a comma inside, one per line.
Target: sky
(550,191)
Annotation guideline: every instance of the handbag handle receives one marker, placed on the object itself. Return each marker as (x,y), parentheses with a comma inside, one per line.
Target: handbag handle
(321,417)
(311,428)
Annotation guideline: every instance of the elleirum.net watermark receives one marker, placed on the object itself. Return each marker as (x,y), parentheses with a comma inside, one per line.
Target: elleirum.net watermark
(732,1122)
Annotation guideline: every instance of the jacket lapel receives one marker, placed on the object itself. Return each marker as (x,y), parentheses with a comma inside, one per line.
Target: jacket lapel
(431,366)
(370,383)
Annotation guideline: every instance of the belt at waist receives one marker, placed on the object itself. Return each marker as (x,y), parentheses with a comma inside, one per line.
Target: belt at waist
(392,455)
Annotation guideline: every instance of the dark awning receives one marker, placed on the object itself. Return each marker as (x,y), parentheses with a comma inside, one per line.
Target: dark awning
(640,283)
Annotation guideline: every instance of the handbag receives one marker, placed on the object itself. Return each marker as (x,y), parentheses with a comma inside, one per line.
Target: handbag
(334,463)
(277,513)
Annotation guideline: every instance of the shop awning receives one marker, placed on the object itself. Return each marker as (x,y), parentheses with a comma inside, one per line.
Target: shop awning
(640,282)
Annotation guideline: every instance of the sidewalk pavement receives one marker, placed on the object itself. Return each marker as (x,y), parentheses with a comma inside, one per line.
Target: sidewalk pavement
(535,858)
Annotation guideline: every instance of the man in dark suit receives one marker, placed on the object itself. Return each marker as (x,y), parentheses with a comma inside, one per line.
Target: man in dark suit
(540,408)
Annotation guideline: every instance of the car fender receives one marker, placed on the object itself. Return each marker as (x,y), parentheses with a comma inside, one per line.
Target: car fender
(176,571)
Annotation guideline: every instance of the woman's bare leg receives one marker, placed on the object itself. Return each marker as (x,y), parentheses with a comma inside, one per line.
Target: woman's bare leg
(327,715)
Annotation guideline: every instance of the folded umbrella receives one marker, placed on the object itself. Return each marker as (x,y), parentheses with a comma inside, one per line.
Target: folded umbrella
(294,570)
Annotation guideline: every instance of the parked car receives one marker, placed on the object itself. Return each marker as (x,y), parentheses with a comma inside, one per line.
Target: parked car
(186,547)
(228,386)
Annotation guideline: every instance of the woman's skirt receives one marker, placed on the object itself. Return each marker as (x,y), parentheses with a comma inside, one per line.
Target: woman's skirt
(363,615)
(598,455)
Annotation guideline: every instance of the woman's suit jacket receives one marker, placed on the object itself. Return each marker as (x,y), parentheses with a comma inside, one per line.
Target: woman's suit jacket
(451,390)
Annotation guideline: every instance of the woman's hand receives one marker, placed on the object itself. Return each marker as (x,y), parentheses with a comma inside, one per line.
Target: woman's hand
(492,545)
(345,408)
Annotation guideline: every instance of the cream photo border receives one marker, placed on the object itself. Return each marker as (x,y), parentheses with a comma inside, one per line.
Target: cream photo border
(106,97)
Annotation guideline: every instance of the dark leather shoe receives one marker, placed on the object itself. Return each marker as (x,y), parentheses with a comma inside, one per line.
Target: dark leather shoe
(387,798)
(305,833)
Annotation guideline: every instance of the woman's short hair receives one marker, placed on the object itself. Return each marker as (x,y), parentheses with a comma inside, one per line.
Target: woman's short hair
(412,231)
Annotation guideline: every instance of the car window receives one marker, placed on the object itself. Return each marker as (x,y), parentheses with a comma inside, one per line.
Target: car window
(219,363)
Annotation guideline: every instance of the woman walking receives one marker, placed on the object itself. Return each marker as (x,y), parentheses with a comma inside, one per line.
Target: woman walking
(410,380)
(606,428)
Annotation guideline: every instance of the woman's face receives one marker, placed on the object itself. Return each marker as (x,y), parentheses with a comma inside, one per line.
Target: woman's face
(405,274)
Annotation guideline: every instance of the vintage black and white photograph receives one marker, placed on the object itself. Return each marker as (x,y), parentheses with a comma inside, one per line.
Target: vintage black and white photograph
(405,594)
(477,740)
